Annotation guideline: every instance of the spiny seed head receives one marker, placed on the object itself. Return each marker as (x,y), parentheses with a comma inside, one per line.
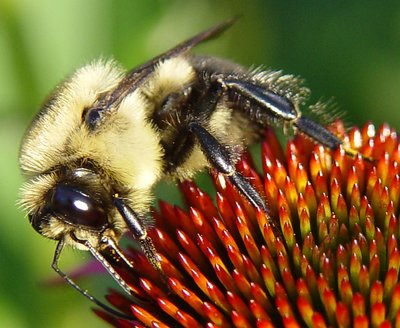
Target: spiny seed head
(334,261)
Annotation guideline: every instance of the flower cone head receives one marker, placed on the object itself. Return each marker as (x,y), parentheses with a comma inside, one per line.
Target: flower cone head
(326,254)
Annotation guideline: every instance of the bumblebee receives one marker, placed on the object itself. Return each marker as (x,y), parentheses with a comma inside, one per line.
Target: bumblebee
(105,137)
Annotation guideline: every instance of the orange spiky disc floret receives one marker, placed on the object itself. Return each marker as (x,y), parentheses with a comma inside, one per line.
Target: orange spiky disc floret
(335,260)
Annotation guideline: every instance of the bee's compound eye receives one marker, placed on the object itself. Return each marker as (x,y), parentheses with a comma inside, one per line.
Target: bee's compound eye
(76,207)
(93,117)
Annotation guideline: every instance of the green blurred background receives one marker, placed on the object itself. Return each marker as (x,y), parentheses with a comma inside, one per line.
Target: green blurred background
(346,49)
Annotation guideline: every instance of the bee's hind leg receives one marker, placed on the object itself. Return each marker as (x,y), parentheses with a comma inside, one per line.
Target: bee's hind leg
(267,106)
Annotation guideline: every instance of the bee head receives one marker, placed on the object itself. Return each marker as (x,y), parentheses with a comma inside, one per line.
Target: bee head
(71,204)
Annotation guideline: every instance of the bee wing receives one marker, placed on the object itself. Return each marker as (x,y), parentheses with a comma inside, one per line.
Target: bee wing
(136,77)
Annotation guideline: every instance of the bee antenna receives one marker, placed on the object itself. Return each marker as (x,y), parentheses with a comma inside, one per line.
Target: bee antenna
(85,293)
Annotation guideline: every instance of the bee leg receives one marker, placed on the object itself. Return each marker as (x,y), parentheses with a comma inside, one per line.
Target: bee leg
(266,107)
(219,159)
(320,134)
(73,284)
(136,225)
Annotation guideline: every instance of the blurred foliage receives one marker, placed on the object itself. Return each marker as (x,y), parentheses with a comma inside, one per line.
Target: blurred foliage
(349,50)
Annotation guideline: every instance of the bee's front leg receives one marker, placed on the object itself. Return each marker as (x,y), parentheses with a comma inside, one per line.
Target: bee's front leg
(136,225)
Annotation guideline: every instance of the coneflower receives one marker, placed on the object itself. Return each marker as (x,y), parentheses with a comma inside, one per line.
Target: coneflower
(331,259)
